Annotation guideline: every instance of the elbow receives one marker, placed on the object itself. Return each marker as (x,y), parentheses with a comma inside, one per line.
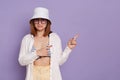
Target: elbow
(22,62)
(62,61)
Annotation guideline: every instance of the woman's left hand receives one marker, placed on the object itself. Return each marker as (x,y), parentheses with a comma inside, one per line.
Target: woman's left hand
(72,42)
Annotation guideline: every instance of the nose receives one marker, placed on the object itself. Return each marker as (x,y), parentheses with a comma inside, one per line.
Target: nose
(39,22)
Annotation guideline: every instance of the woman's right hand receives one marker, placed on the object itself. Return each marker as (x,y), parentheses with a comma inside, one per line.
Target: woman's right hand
(43,51)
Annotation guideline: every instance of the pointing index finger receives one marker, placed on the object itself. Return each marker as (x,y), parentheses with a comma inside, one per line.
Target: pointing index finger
(76,36)
(49,46)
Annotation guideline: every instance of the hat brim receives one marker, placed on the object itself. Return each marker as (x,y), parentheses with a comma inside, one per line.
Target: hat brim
(40,17)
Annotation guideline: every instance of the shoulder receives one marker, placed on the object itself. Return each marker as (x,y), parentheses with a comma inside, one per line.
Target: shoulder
(55,36)
(28,37)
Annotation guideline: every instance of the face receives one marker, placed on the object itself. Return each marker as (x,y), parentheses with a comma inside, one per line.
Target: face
(40,24)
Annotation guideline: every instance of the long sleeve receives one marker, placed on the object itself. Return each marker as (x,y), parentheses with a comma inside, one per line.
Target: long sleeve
(62,55)
(26,57)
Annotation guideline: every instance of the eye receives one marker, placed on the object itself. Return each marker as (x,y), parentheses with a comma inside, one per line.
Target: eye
(43,19)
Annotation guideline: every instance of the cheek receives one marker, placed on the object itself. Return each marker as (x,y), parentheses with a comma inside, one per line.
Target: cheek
(45,25)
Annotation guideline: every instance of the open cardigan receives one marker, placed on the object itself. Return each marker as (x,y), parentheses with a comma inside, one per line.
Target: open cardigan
(58,57)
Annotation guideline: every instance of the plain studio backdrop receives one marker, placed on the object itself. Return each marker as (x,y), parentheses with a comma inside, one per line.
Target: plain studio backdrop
(97,55)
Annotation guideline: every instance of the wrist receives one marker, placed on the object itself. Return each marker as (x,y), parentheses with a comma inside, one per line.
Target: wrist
(69,47)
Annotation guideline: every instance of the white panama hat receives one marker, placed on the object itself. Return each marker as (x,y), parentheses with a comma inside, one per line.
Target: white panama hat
(41,12)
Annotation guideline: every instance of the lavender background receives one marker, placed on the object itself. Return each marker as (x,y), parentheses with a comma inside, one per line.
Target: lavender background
(97,55)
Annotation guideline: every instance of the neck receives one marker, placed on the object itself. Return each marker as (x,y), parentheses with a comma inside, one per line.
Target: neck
(40,34)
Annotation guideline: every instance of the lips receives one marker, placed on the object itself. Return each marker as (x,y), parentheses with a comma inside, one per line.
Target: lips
(39,26)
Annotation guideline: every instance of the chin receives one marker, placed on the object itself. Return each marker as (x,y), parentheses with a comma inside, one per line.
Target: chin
(40,29)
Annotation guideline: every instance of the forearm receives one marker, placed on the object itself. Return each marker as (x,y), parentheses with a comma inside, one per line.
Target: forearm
(64,56)
(28,58)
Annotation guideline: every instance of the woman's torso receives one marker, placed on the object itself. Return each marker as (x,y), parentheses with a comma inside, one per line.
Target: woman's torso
(38,44)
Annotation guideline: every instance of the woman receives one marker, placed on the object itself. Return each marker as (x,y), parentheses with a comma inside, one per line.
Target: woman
(41,50)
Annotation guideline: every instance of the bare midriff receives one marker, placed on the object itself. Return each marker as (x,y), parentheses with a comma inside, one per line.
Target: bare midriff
(43,61)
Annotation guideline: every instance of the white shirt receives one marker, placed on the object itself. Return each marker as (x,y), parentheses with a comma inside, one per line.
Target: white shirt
(58,57)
